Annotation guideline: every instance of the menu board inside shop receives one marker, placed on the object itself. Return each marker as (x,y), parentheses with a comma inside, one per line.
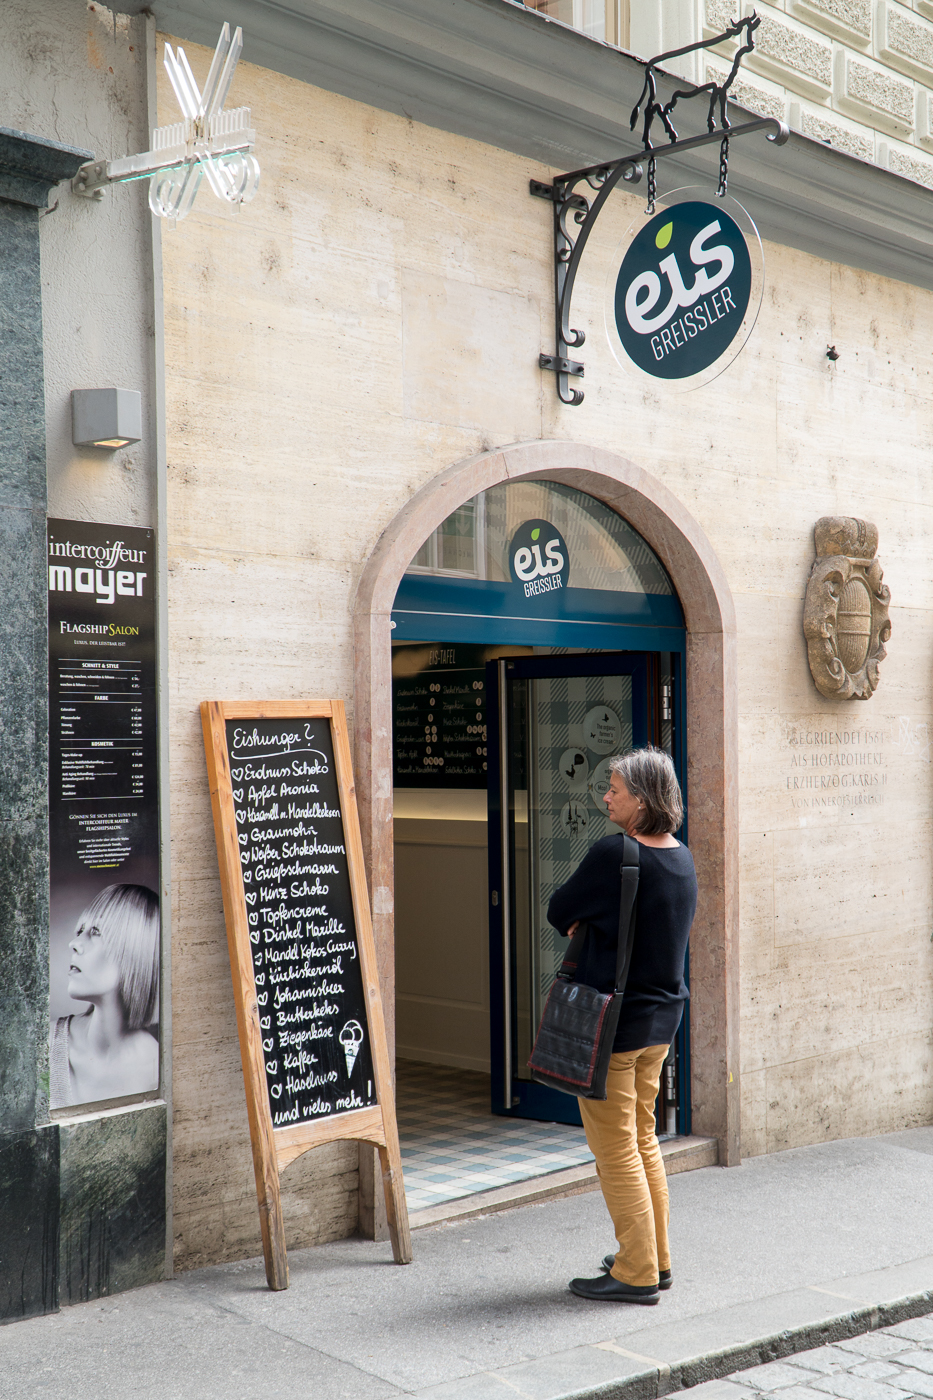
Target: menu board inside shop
(439,716)
(296,882)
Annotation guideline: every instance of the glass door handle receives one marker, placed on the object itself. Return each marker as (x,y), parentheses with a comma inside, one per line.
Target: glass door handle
(494,897)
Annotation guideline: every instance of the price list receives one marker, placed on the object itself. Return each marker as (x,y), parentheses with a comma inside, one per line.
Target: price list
(439,714)
(103,742)
(100,722)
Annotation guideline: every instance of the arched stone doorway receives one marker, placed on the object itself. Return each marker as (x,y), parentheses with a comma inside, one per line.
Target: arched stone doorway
(712,739)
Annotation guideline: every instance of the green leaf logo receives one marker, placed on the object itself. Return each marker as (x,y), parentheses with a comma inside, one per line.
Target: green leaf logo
(535,534)
(664,236)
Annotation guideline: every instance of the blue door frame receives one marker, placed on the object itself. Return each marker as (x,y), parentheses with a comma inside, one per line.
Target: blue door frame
(429,608)
(511,1095)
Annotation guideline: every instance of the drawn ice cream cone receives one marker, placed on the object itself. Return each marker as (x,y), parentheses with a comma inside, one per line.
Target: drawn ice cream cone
(351,1038)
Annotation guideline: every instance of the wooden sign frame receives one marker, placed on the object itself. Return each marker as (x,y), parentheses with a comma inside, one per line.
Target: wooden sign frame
(275,1148)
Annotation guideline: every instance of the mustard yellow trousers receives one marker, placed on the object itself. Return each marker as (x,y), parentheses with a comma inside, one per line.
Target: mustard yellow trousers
(621,1136)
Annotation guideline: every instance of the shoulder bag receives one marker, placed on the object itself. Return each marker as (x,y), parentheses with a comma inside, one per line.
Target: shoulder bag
(578,1026)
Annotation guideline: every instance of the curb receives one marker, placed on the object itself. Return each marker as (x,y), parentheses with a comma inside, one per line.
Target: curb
(682,1375)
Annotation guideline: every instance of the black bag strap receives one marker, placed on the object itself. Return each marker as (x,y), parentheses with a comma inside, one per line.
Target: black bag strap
(629,871)
(567,971)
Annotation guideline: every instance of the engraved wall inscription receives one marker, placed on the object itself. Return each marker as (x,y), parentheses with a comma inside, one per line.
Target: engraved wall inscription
(832,769)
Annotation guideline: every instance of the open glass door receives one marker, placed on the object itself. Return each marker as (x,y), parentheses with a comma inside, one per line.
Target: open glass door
(553,725)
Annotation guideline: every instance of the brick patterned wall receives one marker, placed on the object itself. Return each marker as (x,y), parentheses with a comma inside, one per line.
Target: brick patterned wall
(855,74)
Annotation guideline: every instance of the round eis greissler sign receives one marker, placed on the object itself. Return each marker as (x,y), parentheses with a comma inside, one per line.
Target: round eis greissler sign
(539,559)
(688,290)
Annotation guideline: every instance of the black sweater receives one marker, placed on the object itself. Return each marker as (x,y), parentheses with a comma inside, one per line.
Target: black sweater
(667,899)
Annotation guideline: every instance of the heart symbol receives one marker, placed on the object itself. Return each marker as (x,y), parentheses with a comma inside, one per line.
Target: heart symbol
(251,898)
(254,934)
(272,1066)
(262,998)
(238,794)
(267,1044)
(276,1091)
(241,818)
(243,840)
(236,774)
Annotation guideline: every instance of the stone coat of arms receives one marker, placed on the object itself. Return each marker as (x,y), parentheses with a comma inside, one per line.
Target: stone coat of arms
(845,615)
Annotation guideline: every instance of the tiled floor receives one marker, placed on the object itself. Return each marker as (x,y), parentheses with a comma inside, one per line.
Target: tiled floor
(452,1145)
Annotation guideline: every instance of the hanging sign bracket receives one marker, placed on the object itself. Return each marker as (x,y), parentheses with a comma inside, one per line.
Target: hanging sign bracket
(574,208)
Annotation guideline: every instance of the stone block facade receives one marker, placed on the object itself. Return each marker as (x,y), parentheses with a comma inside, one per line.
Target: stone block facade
(852,74)
(832,130)
(850,19)
(757,95)
(869,91)
(801,59)
(905,41)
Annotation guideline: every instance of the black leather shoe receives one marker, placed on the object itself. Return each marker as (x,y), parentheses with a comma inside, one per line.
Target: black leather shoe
(610,1290)
(665,1278)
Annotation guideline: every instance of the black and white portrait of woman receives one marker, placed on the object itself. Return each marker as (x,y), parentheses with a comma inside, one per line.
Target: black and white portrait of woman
(108,1047)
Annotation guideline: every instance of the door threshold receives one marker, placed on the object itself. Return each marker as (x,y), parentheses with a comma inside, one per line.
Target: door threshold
(681,1154)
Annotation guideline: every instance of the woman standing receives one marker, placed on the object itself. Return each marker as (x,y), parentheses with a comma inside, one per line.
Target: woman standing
(644,800)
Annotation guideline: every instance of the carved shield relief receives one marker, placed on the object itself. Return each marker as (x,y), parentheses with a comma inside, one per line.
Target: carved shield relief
(845,617)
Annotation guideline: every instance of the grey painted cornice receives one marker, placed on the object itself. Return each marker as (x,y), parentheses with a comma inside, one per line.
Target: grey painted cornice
(30,166)
(496,72)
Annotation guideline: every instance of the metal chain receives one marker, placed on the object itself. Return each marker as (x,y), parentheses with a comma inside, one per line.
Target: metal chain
(723,167)
(652,185)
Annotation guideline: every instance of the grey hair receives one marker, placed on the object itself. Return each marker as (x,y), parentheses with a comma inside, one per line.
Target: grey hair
(650,777)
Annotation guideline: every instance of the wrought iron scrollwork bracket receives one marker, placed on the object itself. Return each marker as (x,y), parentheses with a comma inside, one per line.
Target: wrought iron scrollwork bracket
(572,207)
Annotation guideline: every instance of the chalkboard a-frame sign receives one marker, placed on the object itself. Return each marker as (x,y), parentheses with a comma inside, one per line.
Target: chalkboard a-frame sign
(309,1014)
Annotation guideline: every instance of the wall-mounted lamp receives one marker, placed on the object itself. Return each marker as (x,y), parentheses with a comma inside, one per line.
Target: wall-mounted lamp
(108,418)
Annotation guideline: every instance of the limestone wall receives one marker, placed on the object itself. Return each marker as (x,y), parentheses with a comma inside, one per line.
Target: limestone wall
(375,316)
(77,74)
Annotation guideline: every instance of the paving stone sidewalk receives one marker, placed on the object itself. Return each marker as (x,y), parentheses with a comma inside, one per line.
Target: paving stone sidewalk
(894,1363)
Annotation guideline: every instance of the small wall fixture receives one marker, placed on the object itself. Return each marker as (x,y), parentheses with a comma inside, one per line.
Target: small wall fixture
(108,418)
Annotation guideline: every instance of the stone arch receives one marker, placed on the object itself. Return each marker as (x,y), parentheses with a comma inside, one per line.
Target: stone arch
(712,727)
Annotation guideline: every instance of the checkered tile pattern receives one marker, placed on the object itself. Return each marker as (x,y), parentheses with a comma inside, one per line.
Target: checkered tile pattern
(452,1146)
(559,707)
